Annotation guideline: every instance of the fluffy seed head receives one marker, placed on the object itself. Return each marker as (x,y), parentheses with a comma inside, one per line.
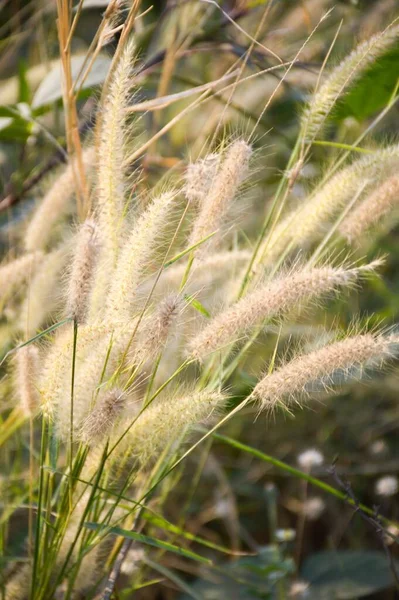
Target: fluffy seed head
(387,486)
(298,589)
(111,154)
(43,297)
(157,327)
(364,55)
(293,379)
(27,372)
(273,299)
(103,417)
(231,173)
(55,205)
(16,272)
(199,177)
(310,458)
(85,256)
(164,422)
(313,508)
(371,210)
(306,223)
(135,256)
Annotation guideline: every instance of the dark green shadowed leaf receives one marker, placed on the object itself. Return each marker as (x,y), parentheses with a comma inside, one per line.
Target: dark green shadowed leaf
(346,575)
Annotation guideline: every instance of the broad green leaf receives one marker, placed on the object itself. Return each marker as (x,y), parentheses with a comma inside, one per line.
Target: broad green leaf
(346,574)
(248,578)
(372,91)
(50,89)
(151,541)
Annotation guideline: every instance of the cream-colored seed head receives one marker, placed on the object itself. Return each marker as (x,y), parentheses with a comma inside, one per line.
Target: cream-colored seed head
(55,204)
(43,296)
(225,185)
(305,223)
(276,298)
(364,55)
(208,272)
(27,373)
(16,272)
(111,154)
(55,376)
(156,328)
(290,382)
(164,422)
(136,253)
(83,264)
(371,210)
(199,177)
(99,423)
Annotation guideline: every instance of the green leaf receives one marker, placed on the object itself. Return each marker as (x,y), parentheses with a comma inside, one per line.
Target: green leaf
(151,541)
(187,250)
(162,523)
(169,574)
(346,575)
(197,305)
(50,89)
(23,84)
(249,578)
(372,91)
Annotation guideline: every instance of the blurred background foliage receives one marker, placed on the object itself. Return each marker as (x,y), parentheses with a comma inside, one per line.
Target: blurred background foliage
(238,500)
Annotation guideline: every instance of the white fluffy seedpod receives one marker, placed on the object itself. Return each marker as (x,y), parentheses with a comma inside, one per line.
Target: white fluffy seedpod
(313,508)
(387,486)
(310,458)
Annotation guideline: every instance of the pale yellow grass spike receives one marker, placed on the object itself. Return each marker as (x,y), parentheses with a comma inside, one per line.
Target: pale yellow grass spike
(43,296)
(104,416)
(209,271)
(199,177)
(111,155)
(164,422)
(288,383)
(156,328)
(55,376)
(55,205)
(352,67)
(371,211)
(305,223)
(225,185)
(82,268)
(16,272)
(275,299)
(135,255)
(27,362)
